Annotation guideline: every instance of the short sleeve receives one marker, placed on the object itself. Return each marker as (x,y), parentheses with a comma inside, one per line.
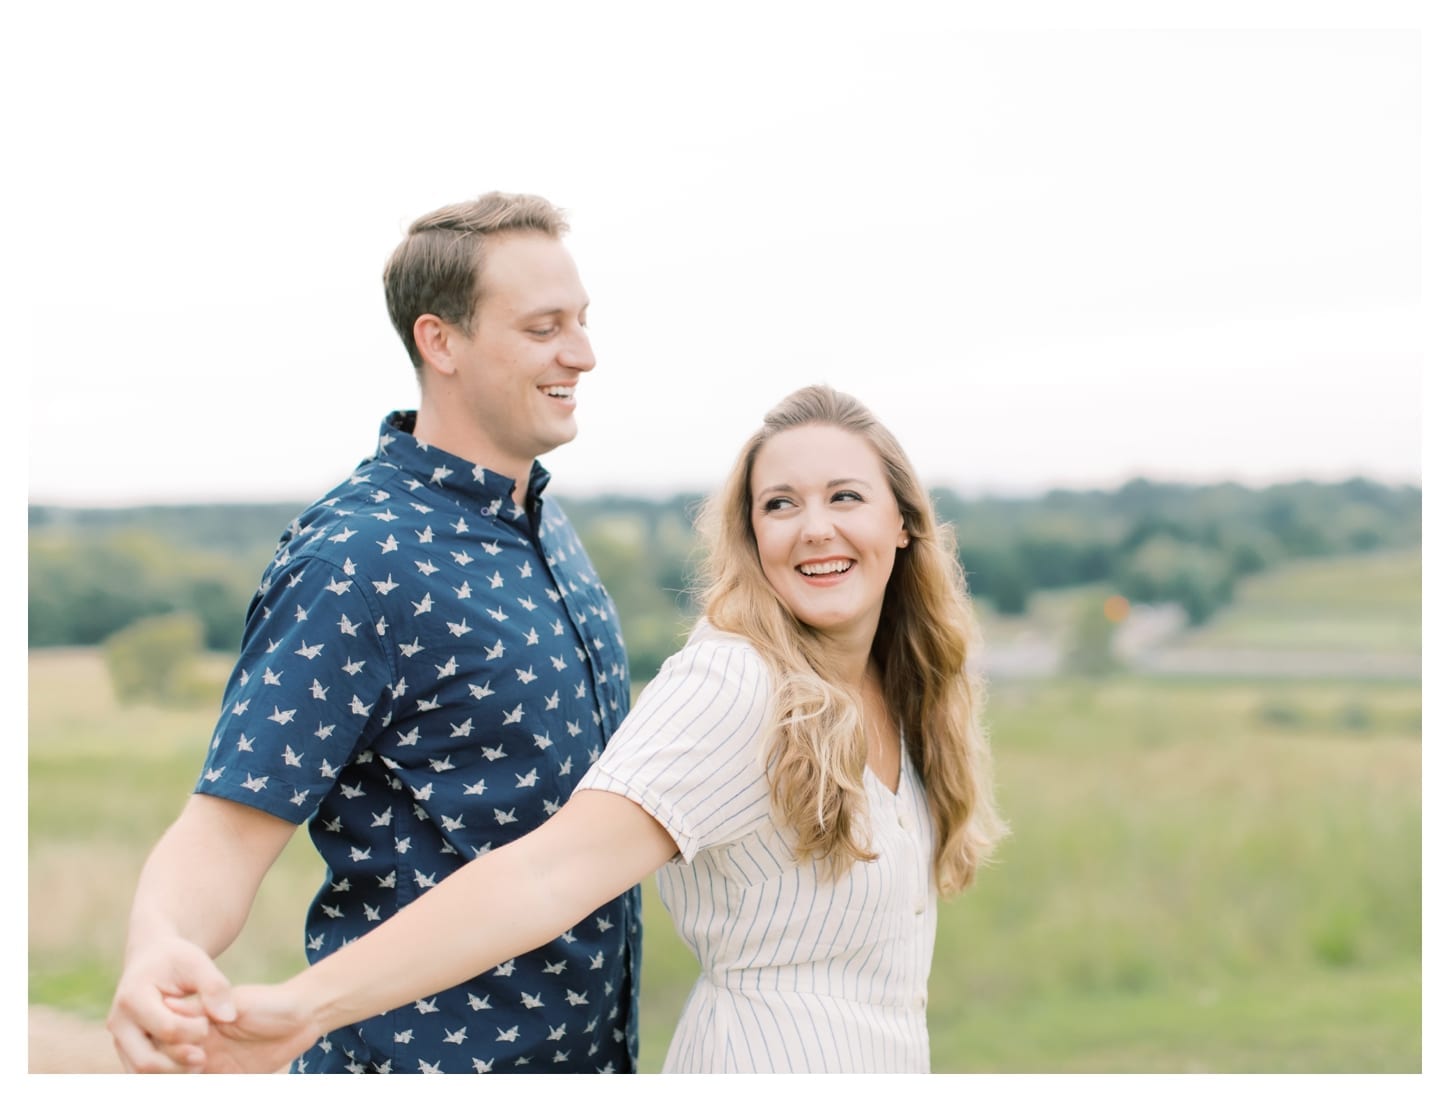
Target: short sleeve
(311,685)
(689,752)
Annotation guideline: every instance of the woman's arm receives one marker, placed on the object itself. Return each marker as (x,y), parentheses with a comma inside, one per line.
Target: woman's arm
(503,903)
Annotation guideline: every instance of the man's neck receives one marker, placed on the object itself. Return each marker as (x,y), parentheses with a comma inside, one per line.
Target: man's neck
(435,432)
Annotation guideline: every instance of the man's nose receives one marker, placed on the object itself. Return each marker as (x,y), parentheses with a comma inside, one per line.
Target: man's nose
(577,352)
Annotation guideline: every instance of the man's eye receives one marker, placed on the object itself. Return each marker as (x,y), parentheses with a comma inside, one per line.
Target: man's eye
(548,331)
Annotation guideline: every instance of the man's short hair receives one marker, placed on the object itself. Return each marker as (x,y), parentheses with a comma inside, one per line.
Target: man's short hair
(435,269)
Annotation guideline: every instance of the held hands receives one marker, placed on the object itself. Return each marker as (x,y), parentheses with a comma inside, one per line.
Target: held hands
(270,1029)
(165,1001)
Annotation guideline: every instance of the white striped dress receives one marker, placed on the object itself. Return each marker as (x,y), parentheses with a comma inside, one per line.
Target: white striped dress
(799,973)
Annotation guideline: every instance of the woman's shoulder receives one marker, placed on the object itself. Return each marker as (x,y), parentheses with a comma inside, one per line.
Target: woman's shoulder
(710,653)
(705,638)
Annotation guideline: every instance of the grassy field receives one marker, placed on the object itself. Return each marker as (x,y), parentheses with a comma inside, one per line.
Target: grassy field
(1204,875)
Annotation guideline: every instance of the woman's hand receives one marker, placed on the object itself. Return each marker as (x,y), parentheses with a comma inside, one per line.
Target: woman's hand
(271,1028)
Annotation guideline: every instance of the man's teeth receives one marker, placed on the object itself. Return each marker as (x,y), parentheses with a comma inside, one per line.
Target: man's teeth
(559,391)
(838,566)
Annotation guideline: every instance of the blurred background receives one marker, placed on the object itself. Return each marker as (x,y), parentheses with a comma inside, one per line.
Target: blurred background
(1142,301)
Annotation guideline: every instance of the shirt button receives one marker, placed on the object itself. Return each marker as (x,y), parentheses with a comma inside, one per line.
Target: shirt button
(921,906)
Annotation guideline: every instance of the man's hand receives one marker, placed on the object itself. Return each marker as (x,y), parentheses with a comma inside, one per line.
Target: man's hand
(153,1024)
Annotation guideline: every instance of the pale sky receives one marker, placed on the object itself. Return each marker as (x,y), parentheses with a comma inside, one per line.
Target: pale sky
(1044,256)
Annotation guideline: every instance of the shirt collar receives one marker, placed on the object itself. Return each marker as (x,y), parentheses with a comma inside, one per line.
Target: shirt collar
(433,466)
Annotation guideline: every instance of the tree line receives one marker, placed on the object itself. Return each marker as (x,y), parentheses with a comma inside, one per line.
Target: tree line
(95,572)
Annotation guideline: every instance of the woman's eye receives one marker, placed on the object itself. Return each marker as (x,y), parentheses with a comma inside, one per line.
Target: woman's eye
(775,504)
(846,495)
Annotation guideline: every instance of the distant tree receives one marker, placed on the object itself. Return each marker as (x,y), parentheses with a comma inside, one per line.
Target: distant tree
(151,660)
(1089,649)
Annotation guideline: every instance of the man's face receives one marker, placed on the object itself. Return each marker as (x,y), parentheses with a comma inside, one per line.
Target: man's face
(518,370)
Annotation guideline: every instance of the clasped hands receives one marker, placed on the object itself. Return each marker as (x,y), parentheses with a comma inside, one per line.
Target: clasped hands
(176,1012)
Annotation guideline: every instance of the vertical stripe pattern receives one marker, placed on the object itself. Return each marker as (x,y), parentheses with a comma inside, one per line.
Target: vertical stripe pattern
(799,973)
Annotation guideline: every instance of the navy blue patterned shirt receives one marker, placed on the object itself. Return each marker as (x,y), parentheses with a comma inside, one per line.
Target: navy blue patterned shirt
(427,671)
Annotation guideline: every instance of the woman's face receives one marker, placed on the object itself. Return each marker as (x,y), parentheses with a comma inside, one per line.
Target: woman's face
(828,528)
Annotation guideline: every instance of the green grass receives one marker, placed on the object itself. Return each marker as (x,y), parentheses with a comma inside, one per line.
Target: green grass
(1220,876)
(1366,603)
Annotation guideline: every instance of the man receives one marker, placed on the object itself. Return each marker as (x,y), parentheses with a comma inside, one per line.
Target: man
(428,667)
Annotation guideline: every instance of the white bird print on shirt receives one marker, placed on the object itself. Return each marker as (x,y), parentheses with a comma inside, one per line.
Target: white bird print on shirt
(239,707)
(290,757)
(480,691)
(213,775)
(427,569)
(353,668)
(441,765)
(372,914)
(527,780)
(461,730)
(463,592)
(491,548)
(505,817)
(256,784)
(532,1002)
(410,649)
(576,999)
(459,629)
(476,1003)
(557,1033)
(494,653)
(386,586)
(244,744)
(319,690)
(456,1038)
(494,753)
(409,739)
(309,652)
(427,1006)
(425,605)
(515,716)
(526,676)
(510,1034)
(270,678)
(388,545)
(346,626)
(474,789)
(556,968)
(338,588)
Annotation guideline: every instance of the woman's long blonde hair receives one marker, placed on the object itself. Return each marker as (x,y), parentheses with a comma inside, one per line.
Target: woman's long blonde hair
(923,645)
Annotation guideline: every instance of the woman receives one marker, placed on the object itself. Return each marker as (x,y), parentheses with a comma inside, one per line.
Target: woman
(806,775)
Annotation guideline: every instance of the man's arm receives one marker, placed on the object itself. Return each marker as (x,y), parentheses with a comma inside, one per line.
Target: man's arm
(500,904)
(192,900)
